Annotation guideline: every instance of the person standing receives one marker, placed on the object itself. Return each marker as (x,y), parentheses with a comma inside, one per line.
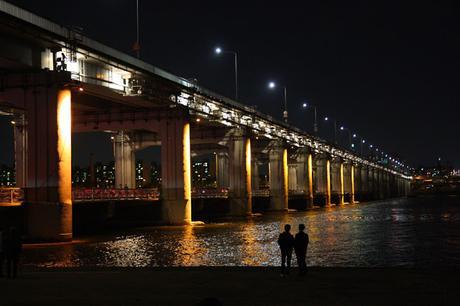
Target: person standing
(13,247)
(286,243)
(301,241)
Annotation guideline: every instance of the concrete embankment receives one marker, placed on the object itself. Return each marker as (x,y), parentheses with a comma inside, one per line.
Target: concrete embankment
(232,286)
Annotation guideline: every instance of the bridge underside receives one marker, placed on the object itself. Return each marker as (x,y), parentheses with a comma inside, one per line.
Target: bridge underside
(49,106)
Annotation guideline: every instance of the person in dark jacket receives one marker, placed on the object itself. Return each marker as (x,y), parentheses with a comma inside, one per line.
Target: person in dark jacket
(13,248)
(286,243)
(301,241)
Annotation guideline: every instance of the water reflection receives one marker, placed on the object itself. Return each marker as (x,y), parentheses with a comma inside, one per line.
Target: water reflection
(409,232)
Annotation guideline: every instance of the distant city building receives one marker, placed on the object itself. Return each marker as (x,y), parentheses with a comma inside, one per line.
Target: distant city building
(202,174)
(104,175)
(147,175)
(7,176)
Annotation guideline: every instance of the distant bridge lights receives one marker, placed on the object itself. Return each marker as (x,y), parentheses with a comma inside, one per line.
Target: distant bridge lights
(218,51)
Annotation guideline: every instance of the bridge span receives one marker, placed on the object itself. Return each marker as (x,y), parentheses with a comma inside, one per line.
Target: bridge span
(55,81)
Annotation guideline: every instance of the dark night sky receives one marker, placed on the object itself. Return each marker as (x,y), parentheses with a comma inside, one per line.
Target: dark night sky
(387,70)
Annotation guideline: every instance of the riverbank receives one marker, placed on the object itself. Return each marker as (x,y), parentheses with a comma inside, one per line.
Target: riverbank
(232,286)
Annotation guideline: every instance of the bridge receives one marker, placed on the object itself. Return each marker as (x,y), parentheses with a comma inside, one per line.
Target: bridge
(55,81)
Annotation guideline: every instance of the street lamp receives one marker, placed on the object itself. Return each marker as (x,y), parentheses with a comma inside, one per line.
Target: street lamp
(361,142)
(335,128)
(272,85)
(218,51)
(305,105)
(342,128)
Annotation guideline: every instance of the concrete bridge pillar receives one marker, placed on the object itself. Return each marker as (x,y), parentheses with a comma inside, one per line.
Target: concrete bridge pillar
(387,185)
(337,180)
(323,178)
(222,169)
(255,174)
(240,191)
(311,192)
(357,182)
(278,177)
(292,169)
(371,182)
(43,152)
(305,175)
(392,185)
(125,161)
(364,183)
(347,183)
(176,169)
(352,183)
(382,183)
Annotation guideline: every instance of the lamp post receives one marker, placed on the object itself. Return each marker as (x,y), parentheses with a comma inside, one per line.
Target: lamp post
(272,85)
(305,105)
(137,46)
(342,128)
(361,142)
(218,51)
(335,128)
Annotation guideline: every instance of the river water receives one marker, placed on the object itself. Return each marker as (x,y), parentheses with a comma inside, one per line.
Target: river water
(413,232)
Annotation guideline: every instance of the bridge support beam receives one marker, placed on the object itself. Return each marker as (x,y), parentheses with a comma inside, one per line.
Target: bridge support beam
(305,175)
(240,191)
(292,179)
(364,184)
(278,176)
(125,161)
(175,170)
(352,184)
(337,181)
(371,183)
(222,169)
(357,172)
(311,191)
(255,174)
(323,178)
(48,187)
(347,185)
(381,180)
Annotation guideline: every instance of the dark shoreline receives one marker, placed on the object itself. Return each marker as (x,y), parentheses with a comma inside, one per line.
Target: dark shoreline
(232,285)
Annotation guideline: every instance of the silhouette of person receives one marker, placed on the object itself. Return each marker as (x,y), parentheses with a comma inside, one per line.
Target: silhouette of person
(301,241)
(13,247)
(2,250)
(286,243)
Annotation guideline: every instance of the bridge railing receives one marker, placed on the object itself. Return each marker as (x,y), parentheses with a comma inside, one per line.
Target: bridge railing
(261,193)
(205,193)
(90,194)
(11,195)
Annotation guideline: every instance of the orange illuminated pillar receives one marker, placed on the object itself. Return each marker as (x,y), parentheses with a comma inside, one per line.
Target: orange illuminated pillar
(342,187)
(240,164)
(328,182)
(278,176)
(48,187)
(175,169)
(310,180)
(352,193)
